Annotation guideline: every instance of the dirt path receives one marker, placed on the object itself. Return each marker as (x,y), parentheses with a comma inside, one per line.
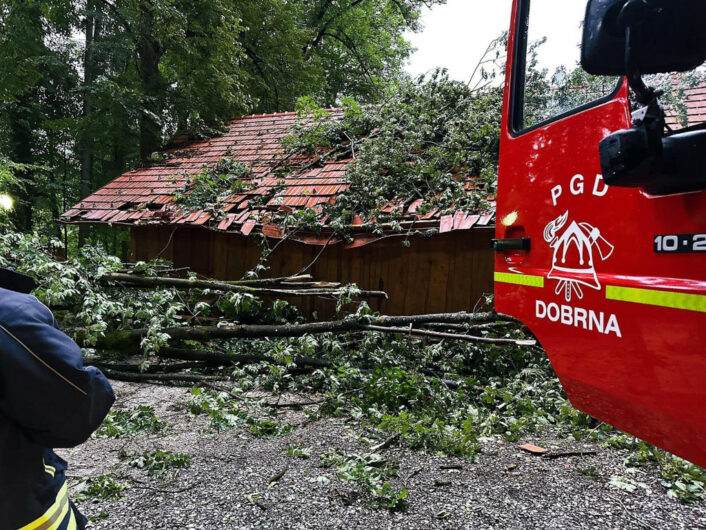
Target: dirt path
(226,484)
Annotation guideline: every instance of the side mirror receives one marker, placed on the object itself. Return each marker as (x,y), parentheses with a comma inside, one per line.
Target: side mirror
(664,36)
(636,37)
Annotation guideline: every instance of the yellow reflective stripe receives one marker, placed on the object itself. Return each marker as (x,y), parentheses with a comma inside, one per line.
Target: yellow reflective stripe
(55,524)
(670,299)
(72,521)
(45,521)
(520,279)
(49,469)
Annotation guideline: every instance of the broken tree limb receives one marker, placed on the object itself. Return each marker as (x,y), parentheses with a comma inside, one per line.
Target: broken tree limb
(130,339)
(136,368)
(130,280)
(210,357)
(145,378)
(451,336)
(479,327)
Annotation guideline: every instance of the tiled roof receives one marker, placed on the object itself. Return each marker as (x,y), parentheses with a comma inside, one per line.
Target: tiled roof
(695,100)
(145,196)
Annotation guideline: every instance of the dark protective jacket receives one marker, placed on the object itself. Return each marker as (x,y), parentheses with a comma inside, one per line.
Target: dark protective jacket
(48,399)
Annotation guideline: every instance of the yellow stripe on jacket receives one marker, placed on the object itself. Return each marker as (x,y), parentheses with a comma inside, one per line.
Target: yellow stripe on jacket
(55,515)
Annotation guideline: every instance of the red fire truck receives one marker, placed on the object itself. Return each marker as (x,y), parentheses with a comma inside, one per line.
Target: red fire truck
(601,232)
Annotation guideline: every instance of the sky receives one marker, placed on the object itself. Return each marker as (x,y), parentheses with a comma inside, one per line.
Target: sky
(457,33)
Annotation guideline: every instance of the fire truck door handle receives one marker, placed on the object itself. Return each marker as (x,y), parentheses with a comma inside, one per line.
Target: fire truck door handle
(503,245)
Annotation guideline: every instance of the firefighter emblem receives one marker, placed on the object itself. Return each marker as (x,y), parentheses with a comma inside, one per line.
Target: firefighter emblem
(573,263)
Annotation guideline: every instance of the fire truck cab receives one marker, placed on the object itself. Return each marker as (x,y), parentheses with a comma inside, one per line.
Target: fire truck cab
(601,221)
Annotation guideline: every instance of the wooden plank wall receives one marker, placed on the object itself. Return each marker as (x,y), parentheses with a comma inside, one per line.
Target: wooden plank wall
(444,273)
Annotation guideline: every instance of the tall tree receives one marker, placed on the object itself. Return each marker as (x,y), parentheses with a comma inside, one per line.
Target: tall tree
(75,112)
(36,74)
(325,48)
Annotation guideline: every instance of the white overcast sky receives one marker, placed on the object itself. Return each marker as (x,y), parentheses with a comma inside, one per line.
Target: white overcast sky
(457,33)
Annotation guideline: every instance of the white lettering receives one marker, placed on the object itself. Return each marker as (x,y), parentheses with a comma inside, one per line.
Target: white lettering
(578,318)
(613,326)
(541,309)
(577,185)
(580,315)
(600,192)
(553,312)
(596,321)
(567,316)
(556,193)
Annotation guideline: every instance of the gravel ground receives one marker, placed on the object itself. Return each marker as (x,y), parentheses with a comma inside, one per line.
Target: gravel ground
(226,484)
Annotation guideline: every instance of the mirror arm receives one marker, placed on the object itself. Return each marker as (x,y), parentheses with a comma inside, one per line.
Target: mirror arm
(645,95)
(631,16)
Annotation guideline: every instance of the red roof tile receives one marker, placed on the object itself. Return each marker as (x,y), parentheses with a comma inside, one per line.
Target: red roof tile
(695,103)
(144,195)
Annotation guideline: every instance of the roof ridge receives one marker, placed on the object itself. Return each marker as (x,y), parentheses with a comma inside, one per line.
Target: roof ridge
(276,114)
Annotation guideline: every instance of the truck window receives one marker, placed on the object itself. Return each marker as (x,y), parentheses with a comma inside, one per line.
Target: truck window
(551,80)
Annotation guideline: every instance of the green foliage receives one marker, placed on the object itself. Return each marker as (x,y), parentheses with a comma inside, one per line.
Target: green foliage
(627,484)
(90,308)
(220,407)
(102,487)
(683,480)
(93,308)
(327,49)
(157,463)
(299,452)
(90,88)
(225,413)
(424,142)
(373,473)
(138,420)
(268,428)
(207,190)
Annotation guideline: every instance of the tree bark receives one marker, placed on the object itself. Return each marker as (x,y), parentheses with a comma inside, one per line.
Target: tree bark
(149,53)
(92,28)
(130,339)
(451,336)
(215,358)
(144,281)
(146,378)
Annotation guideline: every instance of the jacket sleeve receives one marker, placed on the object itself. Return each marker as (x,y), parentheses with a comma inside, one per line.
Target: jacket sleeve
(44,387)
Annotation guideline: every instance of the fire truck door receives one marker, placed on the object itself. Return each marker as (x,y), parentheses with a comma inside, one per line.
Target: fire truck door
(614,281)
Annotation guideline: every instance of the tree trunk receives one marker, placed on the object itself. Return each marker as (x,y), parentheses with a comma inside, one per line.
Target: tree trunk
(130,280)
(127,340)
(92,28)
(149,53)
(21,124)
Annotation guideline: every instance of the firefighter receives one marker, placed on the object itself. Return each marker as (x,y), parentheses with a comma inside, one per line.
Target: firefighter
(48,399)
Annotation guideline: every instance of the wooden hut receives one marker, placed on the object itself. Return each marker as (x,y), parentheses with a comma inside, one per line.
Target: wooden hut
(447,266)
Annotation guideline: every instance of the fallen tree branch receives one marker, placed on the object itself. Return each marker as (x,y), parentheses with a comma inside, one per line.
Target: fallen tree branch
(226,358)
(146,378)
(566,454)
(135,368)
(451,336)
(479,327)
(130,339)
(385,443)
(130,280)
